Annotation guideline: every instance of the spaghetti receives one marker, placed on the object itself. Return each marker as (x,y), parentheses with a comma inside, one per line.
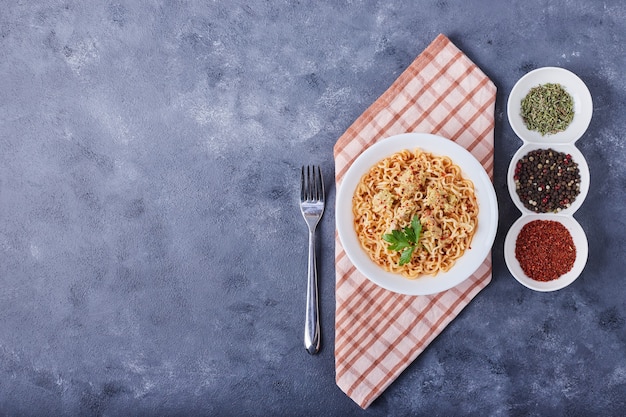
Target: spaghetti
(410,183)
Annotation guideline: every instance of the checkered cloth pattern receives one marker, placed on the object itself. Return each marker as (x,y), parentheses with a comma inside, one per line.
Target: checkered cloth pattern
(378,333)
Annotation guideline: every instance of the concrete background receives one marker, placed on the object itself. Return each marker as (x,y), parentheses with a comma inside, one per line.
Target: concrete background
(152,255)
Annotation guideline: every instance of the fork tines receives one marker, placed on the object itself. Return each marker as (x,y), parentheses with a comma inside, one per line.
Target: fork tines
(312,188)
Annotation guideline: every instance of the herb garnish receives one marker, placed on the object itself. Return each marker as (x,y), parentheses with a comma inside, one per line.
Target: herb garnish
(547,109)
(405,240)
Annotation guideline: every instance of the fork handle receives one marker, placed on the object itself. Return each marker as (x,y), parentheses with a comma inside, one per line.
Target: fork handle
(312,321)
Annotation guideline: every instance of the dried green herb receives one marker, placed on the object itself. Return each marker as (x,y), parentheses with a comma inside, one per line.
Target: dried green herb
(548,109)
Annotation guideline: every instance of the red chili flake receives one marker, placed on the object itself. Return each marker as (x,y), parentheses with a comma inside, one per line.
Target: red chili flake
(545,250)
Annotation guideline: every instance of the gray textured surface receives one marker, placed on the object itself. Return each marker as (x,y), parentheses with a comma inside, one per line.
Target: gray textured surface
(152,258)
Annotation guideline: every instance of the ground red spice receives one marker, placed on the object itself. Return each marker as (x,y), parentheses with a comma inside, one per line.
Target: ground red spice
(545,250)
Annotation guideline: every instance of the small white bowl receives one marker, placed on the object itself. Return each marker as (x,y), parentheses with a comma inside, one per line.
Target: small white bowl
(577,157)
(580,241)
(583,105)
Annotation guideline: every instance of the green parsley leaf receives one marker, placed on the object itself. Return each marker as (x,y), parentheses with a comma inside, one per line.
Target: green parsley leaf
(405,240)
(405,257)
(409,232)
(417,228)
(397,240)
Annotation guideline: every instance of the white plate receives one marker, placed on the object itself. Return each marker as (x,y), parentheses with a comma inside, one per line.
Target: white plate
(577,157)
(481,242)
(580,241)
(583,105)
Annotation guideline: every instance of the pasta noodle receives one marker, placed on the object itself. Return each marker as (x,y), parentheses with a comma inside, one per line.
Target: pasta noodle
(410,183)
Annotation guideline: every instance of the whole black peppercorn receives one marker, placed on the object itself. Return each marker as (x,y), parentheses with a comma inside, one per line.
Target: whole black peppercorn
(547,180)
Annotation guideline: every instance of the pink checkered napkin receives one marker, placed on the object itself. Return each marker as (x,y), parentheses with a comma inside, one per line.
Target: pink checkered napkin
(378,333)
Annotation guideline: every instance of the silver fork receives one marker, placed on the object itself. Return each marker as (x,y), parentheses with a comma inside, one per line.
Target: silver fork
(312,208)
